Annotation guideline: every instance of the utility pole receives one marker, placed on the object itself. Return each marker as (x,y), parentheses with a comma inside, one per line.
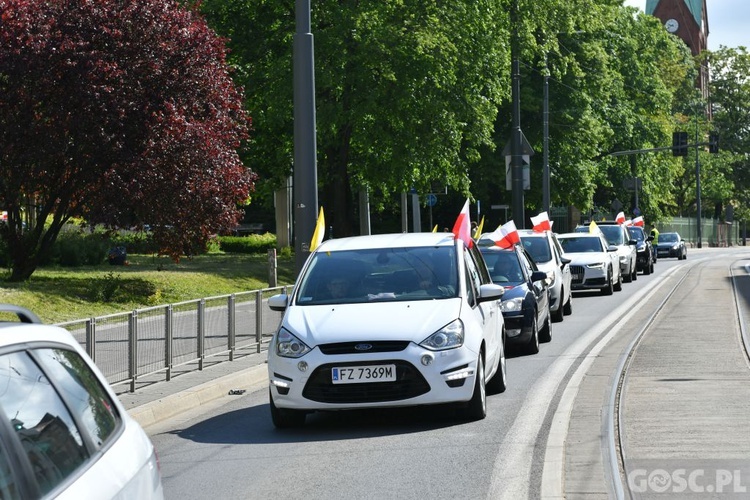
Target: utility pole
(698,183)
(305,146)
(516,138)
(545,131)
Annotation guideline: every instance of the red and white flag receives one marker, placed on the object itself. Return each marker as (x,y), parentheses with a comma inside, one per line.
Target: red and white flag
(505,236)
(620,219)
(541,223)
(638,221)
(628,222)
(462,227)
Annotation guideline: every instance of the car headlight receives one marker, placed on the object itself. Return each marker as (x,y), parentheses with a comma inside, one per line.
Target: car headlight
(512,305)
(596,265)
(448,337)
(289,346)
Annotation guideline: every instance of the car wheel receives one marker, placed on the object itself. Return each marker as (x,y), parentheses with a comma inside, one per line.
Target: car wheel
(607,290)
(499,381)
(557,316)
(568,310)
(634,268)
(545,334)
(533,346)
(618,283)
(628,277)
(649,267)
(284,418)
(477,408)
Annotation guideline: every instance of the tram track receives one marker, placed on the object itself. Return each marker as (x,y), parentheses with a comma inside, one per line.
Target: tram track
(616,454)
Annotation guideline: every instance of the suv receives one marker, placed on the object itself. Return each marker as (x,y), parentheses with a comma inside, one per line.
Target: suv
(548,256)
(645,254)
(63,432)
(617,234)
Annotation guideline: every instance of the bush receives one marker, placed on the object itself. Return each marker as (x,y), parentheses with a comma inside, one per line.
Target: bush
(253,243)
(75,249)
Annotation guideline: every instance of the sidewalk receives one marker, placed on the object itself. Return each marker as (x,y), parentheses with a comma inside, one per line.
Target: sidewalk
(156,400)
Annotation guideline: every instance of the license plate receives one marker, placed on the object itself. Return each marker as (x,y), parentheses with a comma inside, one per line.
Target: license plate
(363,374)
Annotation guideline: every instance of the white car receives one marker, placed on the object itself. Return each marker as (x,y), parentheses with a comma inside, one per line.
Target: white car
(63,432)
(548,256)
(627,247)
(594,263)
(385,321)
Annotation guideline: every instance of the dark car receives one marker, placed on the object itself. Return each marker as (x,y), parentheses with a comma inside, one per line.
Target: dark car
(671,245)
(646,255)
(526,301)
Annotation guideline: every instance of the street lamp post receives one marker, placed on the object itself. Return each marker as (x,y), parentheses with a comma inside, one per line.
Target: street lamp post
(545,131)
(305,146)
(698,183)
(516,138)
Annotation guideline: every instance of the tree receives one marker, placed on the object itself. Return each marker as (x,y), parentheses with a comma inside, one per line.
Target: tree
(123,113)
(406,92)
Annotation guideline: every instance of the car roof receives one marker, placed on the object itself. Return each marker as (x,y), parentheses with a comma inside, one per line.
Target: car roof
(579,235)
(391,240)
(29,328)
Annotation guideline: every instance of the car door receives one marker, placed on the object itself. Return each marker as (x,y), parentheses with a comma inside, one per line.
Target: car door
(538,288)
(488,312)
(567,277)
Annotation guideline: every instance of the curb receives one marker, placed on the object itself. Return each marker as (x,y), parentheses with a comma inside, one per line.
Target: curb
(175,404)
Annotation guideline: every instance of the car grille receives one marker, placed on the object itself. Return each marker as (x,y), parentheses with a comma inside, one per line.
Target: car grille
(409,384)
(577,271)
(351,347)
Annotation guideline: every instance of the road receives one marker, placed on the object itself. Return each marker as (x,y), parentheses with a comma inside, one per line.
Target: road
(230,449)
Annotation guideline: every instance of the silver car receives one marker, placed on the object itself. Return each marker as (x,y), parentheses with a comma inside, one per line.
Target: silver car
(548,256)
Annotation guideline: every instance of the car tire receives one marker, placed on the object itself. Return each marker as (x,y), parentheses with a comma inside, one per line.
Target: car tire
(477,407)
(545,334)
(532,347)
(284,418)
(628,277)
(499,382)
(634,268)
(608,290)
(557,316)
(618,283)
(649,267)
(568,308)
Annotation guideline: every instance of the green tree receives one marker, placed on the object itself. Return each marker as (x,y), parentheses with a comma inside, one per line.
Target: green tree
(406,91)
(123,113)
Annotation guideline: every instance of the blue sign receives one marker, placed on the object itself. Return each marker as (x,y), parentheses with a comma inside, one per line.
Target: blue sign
(431,200)
(636,211)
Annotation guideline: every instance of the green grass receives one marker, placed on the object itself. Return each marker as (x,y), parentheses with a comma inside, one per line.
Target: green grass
(58,294)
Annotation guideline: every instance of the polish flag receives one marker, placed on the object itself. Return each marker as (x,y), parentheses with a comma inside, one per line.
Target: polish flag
(505,236)
(462,227)
(541,223)
(620,219)
(628,222)
(638,221)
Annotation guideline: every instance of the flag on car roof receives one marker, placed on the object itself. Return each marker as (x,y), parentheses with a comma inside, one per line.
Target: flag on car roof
(620,219)
(541,223)
(593,228)
(478,232)
(504,236)
(462,227)
(638,221)
(320,231)
(628,222)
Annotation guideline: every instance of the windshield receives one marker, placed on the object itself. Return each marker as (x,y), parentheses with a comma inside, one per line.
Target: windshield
(636,234)
(613,234)
(504,266)
(356,276)
(668,238)
(582,244)
(537,247)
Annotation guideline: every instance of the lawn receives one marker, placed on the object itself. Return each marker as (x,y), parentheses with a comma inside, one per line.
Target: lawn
(58,294)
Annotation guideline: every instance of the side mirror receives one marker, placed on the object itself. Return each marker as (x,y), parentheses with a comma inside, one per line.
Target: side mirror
(650,238)
(538,276)
(278,302)
(611,248)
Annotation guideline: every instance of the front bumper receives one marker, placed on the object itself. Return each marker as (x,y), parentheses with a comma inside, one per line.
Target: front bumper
(448,378)
(585,278)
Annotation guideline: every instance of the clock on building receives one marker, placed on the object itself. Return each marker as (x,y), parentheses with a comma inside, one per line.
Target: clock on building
(672,25)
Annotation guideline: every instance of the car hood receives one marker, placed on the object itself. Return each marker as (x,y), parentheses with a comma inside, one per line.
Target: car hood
(583,258)
(409,320)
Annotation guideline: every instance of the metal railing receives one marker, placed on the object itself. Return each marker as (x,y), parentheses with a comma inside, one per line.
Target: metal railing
(131,345)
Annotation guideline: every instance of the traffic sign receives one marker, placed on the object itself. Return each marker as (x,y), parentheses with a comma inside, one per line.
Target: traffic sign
(431,200)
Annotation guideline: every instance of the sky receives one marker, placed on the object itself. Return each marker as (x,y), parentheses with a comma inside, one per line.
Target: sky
(728,22)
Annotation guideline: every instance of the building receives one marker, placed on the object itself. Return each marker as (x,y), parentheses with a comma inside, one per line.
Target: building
(687,19)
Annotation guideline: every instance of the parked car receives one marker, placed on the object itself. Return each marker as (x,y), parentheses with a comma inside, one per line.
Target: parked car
(645,253)
(671,245)
(384,321)
(64,433)
(618,235)
(526,299)
(594,262)
(546,252)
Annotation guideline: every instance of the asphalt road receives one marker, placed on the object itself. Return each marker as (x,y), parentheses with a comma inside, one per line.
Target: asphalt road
(229,448)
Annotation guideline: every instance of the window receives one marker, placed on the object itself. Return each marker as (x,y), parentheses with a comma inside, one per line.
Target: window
(8,488)
(43,424)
